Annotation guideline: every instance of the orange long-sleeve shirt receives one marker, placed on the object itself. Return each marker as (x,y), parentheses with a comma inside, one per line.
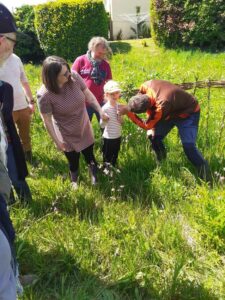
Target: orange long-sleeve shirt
(167,100)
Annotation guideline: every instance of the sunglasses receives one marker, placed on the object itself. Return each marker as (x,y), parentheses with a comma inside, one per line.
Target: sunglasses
(8,38)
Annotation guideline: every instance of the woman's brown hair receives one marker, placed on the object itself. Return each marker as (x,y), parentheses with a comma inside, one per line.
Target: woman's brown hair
(51,68)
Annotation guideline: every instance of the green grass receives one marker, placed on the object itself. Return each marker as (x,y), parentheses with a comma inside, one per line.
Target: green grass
(149,232)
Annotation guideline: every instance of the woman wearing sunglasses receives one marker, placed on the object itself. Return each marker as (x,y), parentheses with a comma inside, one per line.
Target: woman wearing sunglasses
(62,106)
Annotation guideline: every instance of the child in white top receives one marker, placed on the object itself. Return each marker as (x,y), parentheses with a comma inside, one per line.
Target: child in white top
(112,127)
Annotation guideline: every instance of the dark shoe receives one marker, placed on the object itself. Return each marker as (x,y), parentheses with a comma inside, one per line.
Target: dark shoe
(28,156)
(11,198)
(28,280)
(159,148)
(74,179)
(23,192)
(204,173)
(93,169)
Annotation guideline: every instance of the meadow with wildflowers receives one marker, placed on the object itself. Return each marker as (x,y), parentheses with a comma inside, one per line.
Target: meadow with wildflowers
(146,231)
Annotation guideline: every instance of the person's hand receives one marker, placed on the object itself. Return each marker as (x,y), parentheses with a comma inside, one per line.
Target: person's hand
(104,117)
(151,133)
(32,108)
(122,109)
(61,146)
(120,119)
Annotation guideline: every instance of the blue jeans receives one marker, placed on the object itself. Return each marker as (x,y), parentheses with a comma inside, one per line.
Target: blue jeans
(188,129)
(21,186)
(91,111)
(7,278)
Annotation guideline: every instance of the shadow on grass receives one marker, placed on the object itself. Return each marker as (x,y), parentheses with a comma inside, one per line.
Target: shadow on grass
(186,290)
(145,183)
(49,167)
(68,203)
(120,47)
(61,277)
(135,183)
(129,183)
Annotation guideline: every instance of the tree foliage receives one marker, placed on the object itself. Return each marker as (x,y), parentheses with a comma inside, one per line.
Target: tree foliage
(28,47)
(65,27)
(188,23)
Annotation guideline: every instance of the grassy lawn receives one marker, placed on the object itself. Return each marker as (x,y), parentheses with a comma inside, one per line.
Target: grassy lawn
(148,232)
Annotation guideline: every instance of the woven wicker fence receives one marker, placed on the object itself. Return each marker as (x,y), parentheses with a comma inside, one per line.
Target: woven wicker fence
(198,84)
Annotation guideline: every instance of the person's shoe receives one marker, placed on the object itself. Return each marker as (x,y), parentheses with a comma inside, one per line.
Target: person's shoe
(74,186)
(11,199)
(93,169)
(204,173)
(106,168)
(23,192)
(74,179)
(28,156)
(27,280)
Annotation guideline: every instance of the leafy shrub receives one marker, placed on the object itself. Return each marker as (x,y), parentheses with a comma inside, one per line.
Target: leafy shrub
(65,27)
(28,47)
(188,23)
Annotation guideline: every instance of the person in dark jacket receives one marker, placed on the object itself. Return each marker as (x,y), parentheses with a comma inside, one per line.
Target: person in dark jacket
(16,163)
(7,233)
(168,106)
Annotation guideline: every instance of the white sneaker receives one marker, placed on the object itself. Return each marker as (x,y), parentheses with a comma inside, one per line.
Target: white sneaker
(74,185)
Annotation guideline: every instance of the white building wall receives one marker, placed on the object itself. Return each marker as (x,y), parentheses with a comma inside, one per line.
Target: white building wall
(122,11)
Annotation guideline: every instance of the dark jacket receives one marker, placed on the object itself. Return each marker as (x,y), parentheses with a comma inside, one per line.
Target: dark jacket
(6,104)
(5,221)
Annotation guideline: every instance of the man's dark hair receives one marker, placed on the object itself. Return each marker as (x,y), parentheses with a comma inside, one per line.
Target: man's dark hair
(139,103)
(51,68)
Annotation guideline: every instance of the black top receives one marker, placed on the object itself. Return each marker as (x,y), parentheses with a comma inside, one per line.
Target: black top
(6,106)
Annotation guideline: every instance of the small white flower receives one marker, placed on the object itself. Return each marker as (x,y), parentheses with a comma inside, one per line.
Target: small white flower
(140,275)
(106,171)
(117,252)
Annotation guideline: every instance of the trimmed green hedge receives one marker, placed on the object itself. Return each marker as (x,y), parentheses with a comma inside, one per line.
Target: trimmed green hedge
(28,47)
(65,27)
(177,23)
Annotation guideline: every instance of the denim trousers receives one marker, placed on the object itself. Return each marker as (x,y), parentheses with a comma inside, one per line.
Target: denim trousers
(7,278)
(21,186)
(187,129)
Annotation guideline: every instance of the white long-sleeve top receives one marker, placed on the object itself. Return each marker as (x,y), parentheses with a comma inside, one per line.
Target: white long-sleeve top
(12,71)
(112,127)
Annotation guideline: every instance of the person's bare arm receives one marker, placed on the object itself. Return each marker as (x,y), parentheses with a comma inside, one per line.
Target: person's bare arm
(123,109)
(92,101)
(29,96)
(47,119)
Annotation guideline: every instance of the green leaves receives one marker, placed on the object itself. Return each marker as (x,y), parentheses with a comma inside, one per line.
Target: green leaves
(65,27)
(188,23)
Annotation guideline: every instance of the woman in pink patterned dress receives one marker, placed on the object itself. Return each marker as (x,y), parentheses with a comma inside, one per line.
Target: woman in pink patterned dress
(61,101)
